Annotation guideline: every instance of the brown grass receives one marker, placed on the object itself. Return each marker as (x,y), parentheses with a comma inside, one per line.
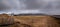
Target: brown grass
(32,21)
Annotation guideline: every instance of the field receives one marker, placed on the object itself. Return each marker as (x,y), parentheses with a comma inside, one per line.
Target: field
(31,21)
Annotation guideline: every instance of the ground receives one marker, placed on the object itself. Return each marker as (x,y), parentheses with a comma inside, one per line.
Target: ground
(32,21)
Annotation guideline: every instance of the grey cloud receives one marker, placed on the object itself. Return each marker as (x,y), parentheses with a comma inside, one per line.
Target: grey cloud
(51,7)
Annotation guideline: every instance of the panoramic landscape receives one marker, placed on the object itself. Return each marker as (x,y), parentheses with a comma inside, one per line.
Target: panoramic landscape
(29,13)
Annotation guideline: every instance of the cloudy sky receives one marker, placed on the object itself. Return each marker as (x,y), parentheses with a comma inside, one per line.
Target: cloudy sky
(51,7)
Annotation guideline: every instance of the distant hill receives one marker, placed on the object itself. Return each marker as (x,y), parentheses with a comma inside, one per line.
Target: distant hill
(29,14)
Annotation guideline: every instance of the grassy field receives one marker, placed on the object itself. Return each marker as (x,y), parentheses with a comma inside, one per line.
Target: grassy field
(34,21)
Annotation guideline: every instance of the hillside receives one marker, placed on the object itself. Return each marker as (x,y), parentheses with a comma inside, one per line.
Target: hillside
(34,21)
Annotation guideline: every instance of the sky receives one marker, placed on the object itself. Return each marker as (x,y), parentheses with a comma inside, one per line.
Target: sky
(50,7)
